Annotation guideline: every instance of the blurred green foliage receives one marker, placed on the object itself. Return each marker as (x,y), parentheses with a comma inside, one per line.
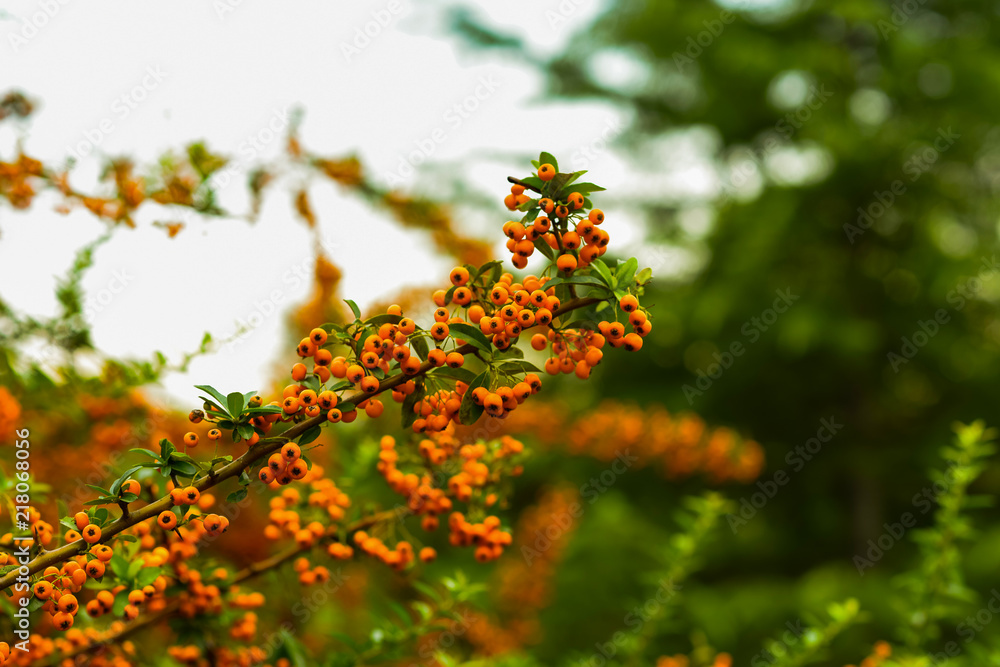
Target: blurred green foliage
(852,161)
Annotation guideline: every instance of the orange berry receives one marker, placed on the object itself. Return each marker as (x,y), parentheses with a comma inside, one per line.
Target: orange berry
(43,589)
(191,439)
(167,520)
(439,331)
(63,621)
(91,533)
(546,172)
(566,263)
(95,569)
(67,604)
(633,342)
(355,373)
(493,404)
(628,303)
(459,276)
(318,336)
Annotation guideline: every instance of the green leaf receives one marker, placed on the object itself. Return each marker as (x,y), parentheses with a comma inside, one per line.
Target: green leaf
(222,459)
(103,492)
(544,157)
(121,480)
(484,269)
(463,374)
(262,410)
(217,410)
(469,412)
(558,182)
(118,609)
(425,610)
(428,590)
(512,352)
(148,576)
(105,500)
(419,345)
(236,496)
(518,366)
(385,318)
(626,273)
(471,334)
(408,416)
(148,452)
(576,280)
(134,568)
(530,216)
(235,403)
(166,449)
(310,435)
(644,276)
(602,271)
(119,566)
(583,188)
(245,431)
(534,180)
(184,468)
(296,654)
(354,308)
(213,392)
(545,249)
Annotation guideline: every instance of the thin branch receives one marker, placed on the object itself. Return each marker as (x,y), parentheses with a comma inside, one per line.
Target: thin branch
(526,186)
(249,572)
(262,449)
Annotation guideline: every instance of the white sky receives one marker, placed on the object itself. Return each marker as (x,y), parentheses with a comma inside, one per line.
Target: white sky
(224,76)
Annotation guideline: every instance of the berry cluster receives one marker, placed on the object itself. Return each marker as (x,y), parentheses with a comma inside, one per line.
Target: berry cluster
(461,364)
(562,221)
